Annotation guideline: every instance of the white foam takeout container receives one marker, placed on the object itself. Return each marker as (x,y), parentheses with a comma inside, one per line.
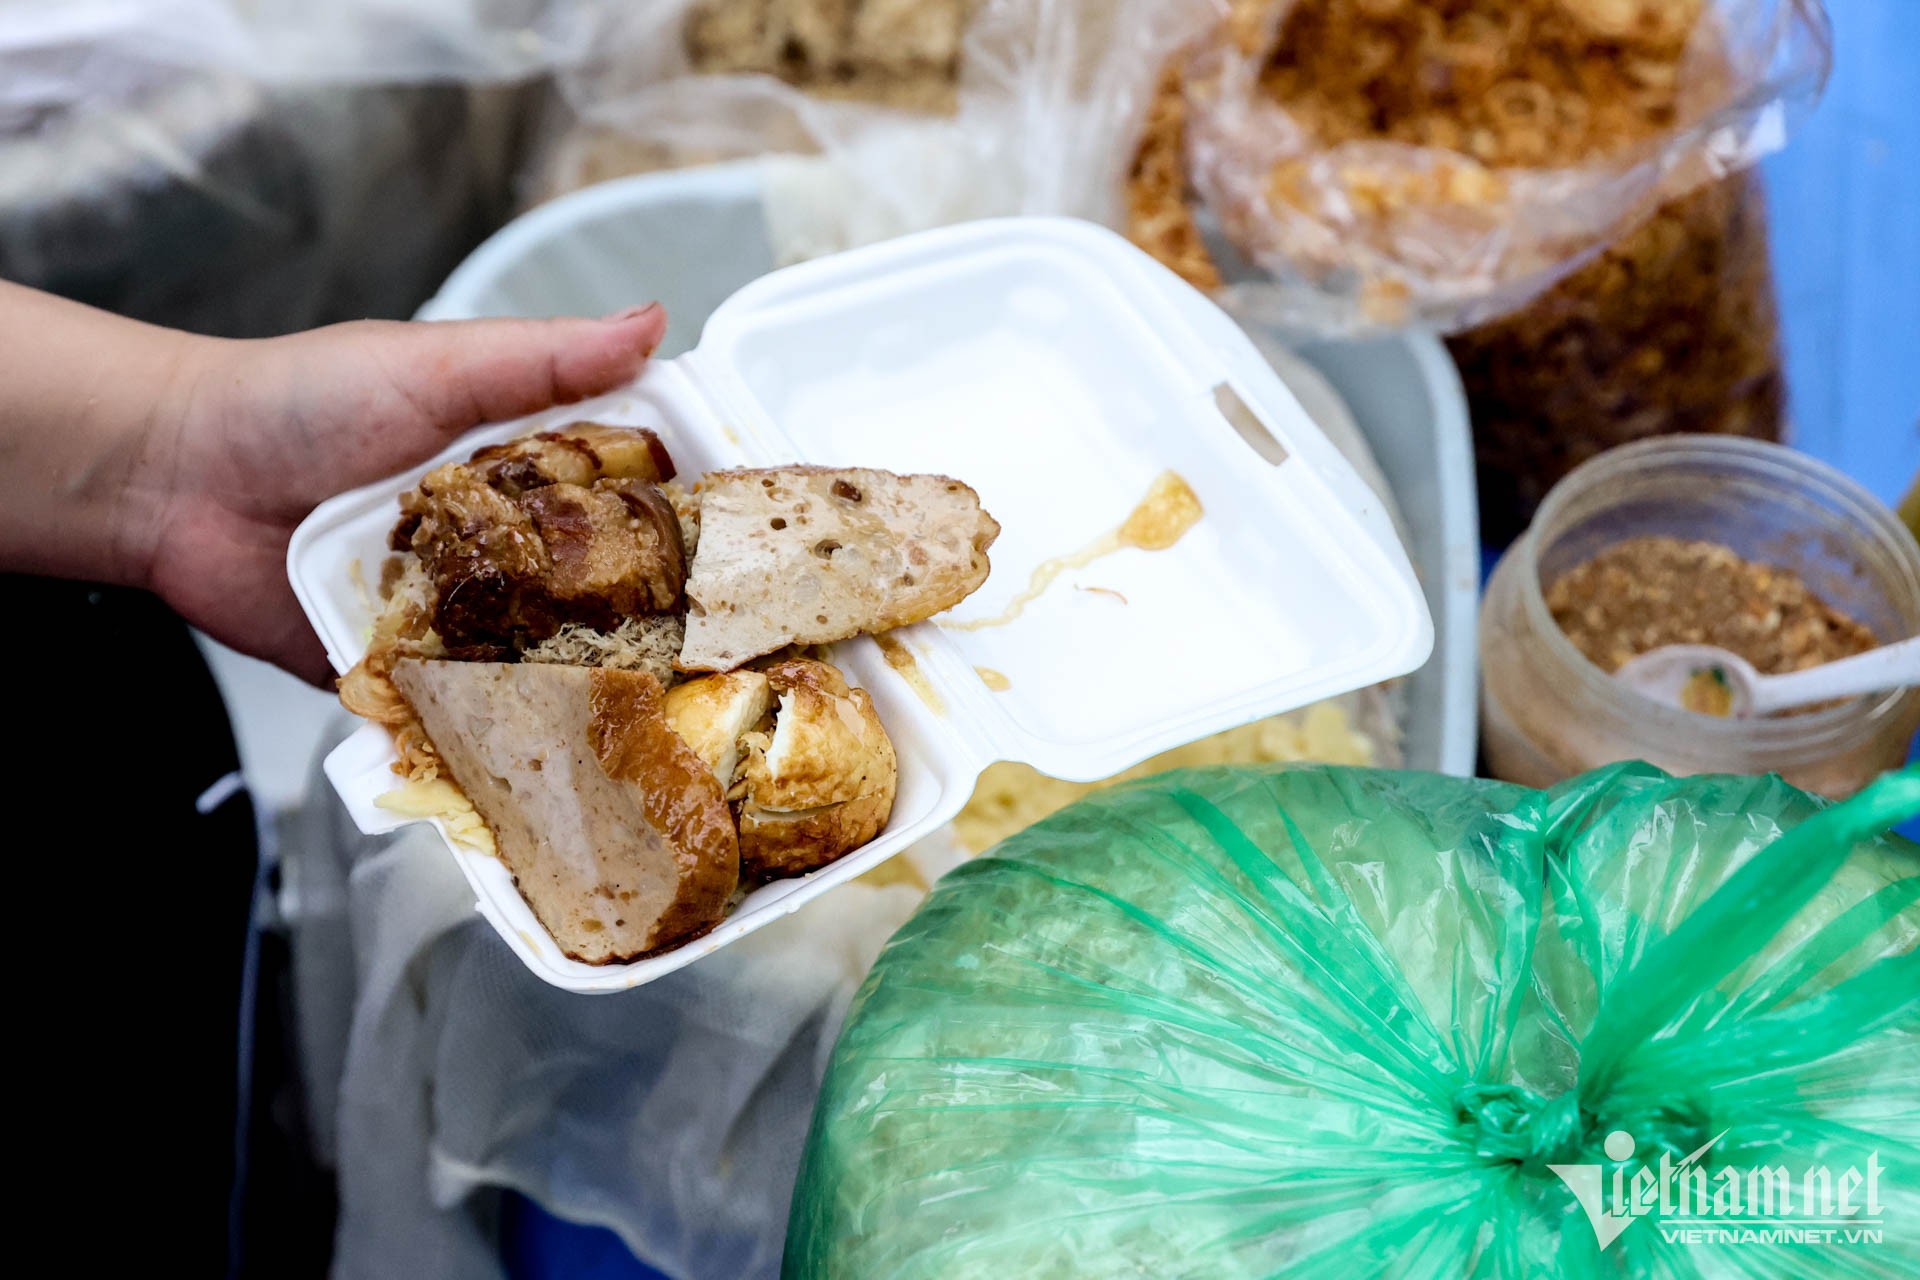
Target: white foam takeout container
(1058,370)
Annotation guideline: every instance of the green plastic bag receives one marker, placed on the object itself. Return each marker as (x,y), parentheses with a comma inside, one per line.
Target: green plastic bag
(1333,1022)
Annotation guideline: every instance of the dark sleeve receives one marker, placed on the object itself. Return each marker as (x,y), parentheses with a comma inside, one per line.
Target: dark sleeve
(133,862)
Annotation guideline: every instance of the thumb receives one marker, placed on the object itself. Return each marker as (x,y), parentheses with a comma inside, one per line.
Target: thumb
(458,374)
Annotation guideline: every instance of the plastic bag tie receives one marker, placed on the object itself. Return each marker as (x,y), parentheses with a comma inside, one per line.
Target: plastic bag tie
(1511,1123)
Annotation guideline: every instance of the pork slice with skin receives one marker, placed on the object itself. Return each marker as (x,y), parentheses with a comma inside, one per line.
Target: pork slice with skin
(617,833)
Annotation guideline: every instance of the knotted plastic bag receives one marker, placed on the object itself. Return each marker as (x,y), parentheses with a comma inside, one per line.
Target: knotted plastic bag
(1343,1022)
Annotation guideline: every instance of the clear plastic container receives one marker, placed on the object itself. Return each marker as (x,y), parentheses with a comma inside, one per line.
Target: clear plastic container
(1549,713)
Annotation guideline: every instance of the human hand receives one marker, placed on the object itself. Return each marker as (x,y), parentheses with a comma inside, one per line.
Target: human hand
(179,464)
(270,429)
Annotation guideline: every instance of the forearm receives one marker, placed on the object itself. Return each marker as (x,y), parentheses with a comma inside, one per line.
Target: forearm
(89,406)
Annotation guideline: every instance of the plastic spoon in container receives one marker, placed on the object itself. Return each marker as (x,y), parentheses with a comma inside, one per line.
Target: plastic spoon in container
(1710,680)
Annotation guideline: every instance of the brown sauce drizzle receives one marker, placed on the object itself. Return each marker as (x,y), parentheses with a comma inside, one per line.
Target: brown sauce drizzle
(901,659)
(1163,517)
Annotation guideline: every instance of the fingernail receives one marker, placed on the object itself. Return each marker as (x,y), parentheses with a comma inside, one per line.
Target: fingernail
(631,313)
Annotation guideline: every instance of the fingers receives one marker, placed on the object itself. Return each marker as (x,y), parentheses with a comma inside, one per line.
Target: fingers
(460,374)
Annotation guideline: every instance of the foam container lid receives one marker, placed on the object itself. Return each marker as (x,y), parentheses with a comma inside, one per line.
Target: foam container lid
(1058,370)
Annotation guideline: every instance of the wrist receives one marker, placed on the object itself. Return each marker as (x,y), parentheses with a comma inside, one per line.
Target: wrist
(151,442)
(97,408)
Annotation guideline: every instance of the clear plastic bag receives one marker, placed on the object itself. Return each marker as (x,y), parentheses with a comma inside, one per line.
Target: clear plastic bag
(1342,1022)
(1049,97)
(1453,229)
(1558,183)
(1674,328)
